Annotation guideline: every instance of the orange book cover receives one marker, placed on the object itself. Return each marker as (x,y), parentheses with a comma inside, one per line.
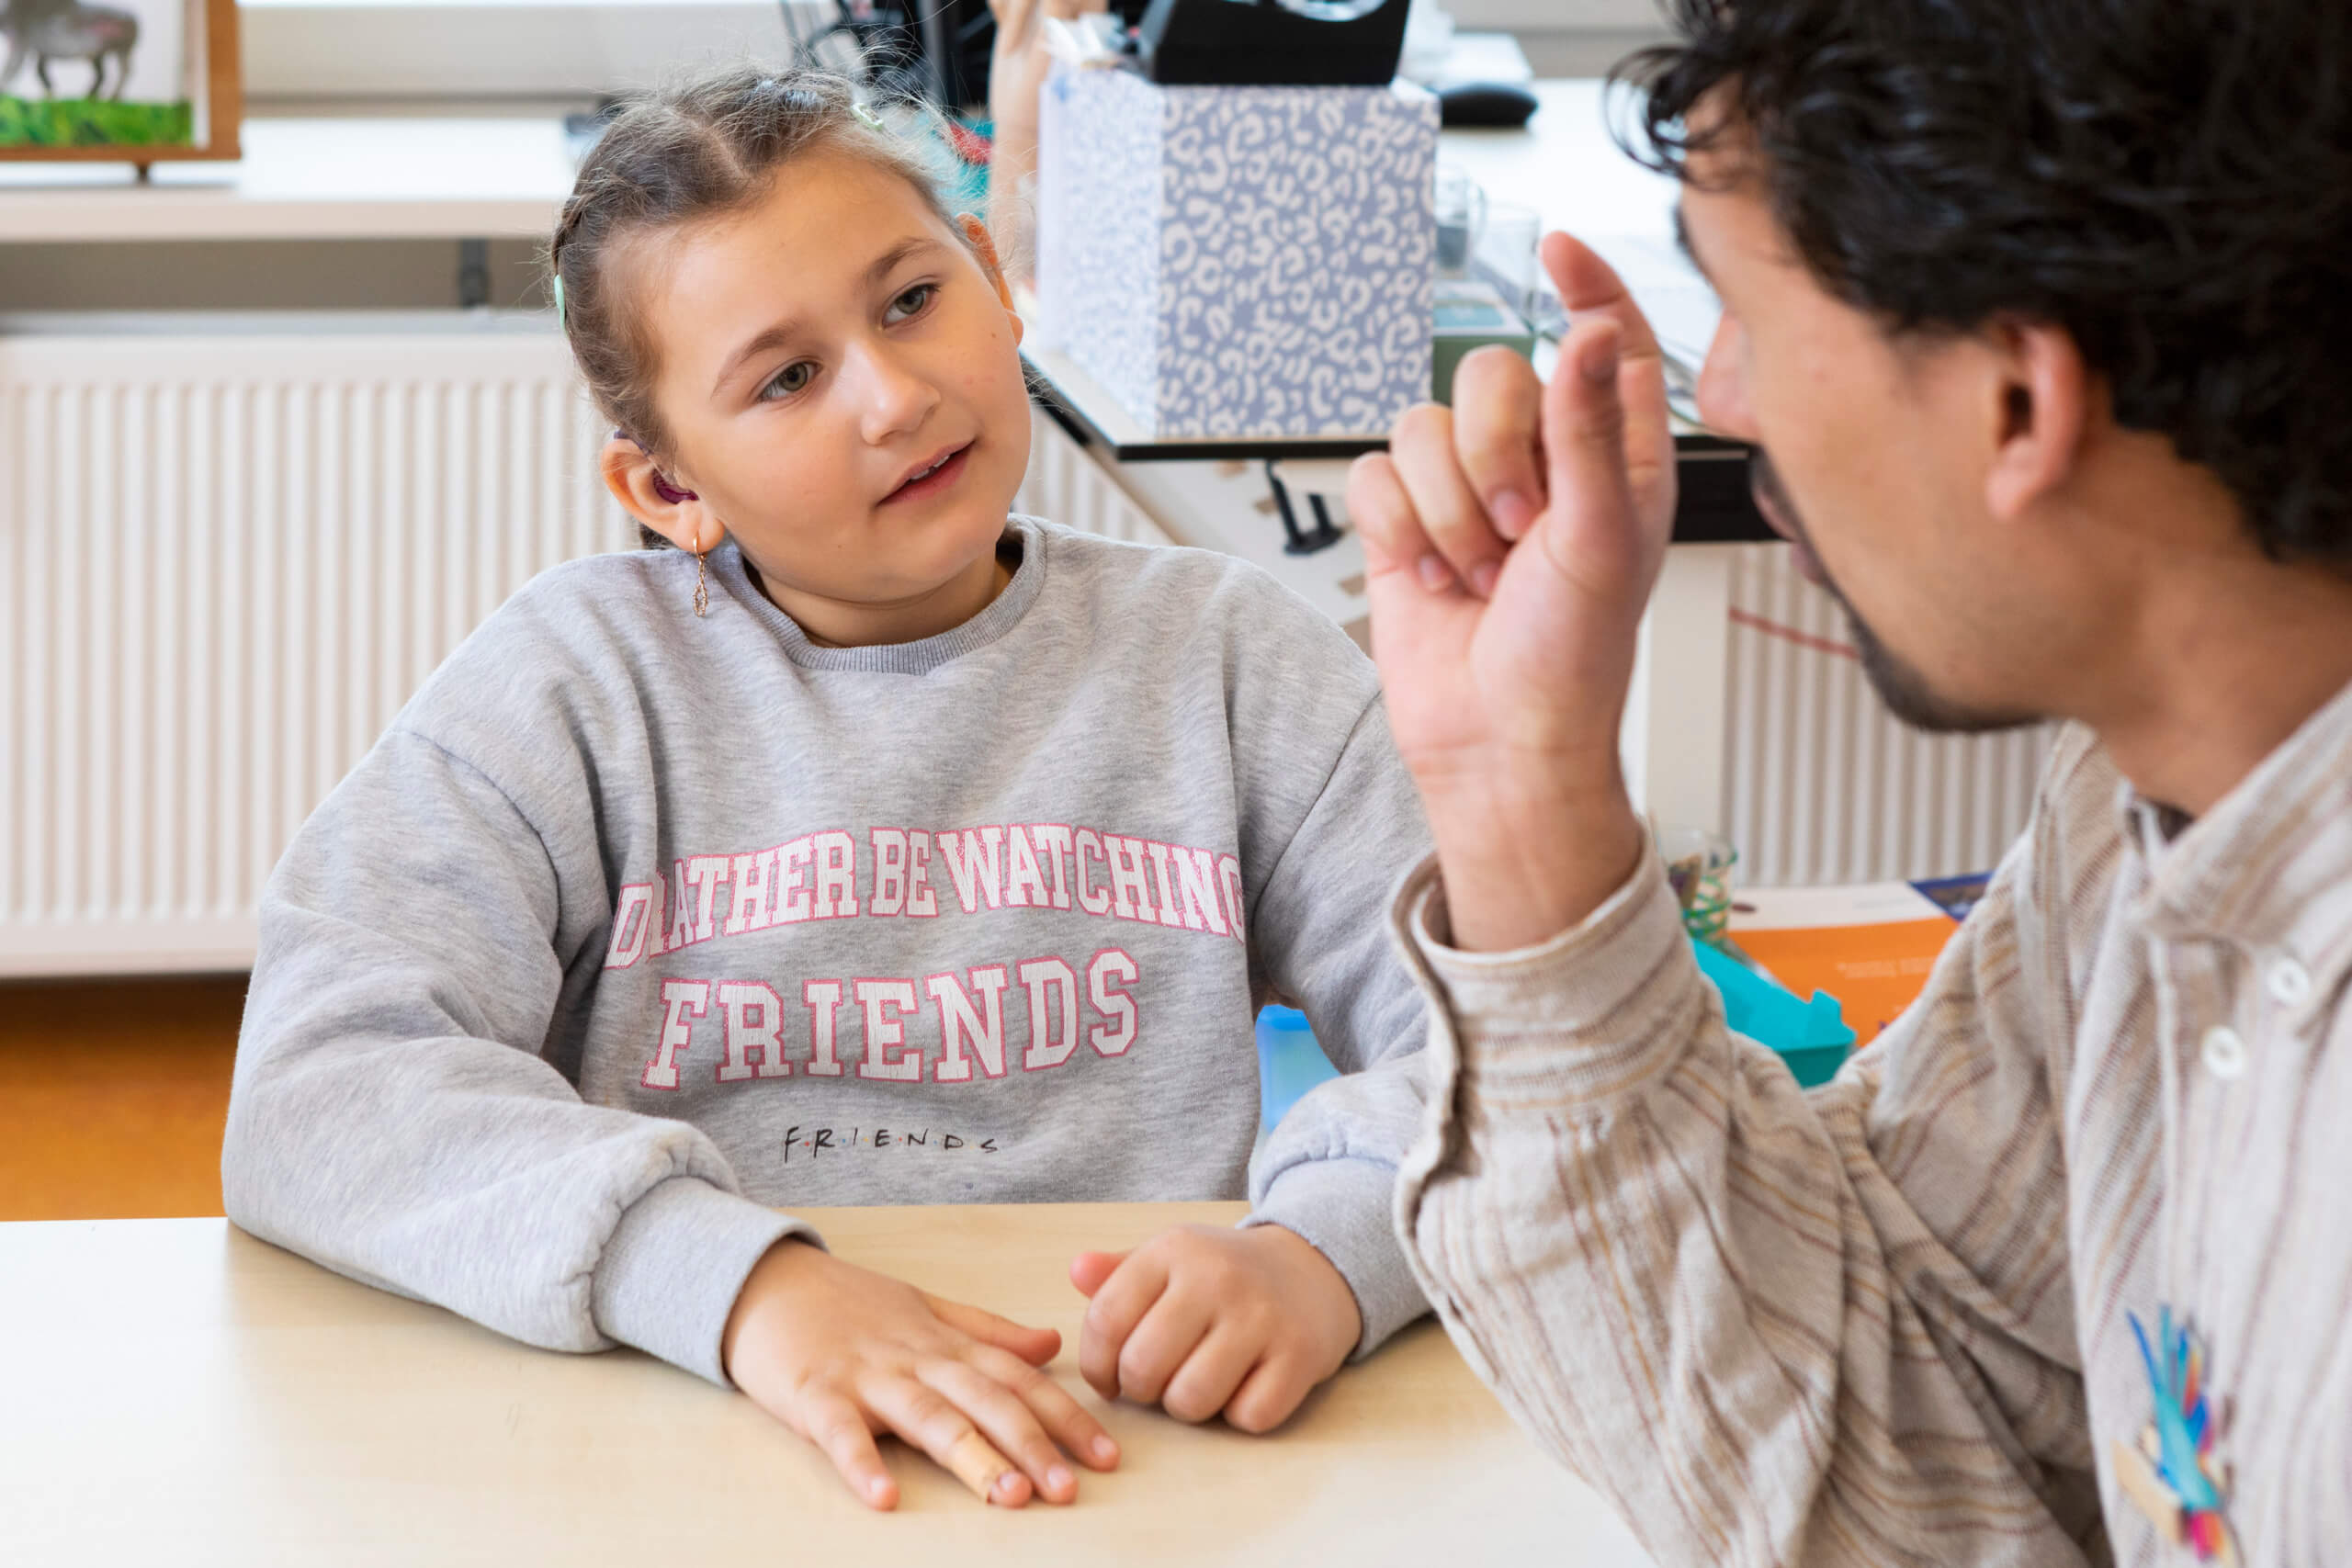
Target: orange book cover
(1872,945)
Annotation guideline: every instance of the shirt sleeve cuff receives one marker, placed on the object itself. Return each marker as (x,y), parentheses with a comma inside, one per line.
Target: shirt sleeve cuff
(1341,1207)
(1594,1012)
(669,1274)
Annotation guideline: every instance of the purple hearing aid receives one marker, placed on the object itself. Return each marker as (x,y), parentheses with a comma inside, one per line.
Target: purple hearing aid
(661,485)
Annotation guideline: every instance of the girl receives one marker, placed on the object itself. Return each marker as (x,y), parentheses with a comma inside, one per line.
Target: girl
(870,846)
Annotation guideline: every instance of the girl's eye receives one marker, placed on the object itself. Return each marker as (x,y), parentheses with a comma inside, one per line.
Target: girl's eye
(911,302)
(792,379)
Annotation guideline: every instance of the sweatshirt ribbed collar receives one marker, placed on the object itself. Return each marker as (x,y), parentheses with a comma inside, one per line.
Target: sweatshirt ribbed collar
(1004,612)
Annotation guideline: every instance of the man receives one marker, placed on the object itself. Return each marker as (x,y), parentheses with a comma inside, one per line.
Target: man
(2041,314)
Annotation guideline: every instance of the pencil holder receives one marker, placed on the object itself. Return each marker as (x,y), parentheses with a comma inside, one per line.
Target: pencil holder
(1698,867)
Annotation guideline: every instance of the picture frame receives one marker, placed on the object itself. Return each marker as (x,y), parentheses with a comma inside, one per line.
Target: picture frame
(159,81)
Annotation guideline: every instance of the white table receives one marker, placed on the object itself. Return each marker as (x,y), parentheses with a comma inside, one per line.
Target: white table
(174,1391)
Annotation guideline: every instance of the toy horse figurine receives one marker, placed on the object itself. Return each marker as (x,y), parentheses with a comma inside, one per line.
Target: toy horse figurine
(64,29)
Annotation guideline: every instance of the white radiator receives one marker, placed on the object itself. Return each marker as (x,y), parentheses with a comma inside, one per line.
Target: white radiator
(1821,785)
(229,556)
(1066,486)
(230,550)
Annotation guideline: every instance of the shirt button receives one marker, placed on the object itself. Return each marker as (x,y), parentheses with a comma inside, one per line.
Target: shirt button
(2288,982)
(2224,1052)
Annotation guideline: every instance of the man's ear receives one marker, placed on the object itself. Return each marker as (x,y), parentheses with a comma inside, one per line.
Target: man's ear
(975,233)
(637,482)
(2044,415)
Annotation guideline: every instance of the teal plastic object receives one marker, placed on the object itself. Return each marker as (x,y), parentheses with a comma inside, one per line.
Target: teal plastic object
(1812,1037)
(965,184)
(1289,1063)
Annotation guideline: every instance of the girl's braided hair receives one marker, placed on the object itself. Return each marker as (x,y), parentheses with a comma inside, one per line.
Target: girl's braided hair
(702,149)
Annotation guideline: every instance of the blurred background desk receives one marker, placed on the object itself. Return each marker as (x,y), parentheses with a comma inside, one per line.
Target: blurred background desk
(179,1393)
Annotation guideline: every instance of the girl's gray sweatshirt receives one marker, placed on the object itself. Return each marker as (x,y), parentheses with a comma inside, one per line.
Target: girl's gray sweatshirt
(635,924)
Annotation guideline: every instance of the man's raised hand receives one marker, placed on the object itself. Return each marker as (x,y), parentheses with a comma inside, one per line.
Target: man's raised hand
(1510,545)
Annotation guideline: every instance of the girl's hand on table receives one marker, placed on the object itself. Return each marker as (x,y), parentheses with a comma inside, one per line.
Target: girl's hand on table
(1204,1321)
(840,1353)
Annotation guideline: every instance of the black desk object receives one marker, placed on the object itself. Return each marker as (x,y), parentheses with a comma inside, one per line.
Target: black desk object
(1492,105)
(1271,43)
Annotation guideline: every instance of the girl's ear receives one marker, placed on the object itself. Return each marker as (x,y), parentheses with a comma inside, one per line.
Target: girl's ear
(975,233)
(647,494)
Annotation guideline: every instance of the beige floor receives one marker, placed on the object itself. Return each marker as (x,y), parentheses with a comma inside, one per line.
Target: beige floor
(112,1094)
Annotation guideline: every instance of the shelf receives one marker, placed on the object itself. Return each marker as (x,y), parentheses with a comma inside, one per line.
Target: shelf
(483,177)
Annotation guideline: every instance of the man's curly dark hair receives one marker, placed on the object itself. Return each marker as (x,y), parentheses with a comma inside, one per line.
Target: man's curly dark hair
(2168,180)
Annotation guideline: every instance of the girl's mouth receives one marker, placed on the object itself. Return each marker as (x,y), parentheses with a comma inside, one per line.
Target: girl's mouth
(943,472)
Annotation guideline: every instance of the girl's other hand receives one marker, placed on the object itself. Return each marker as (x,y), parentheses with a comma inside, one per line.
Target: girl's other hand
(840,1353)
(1204,1321)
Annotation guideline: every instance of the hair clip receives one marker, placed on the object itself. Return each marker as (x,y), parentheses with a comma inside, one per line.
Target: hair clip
(559,301)
(865,112)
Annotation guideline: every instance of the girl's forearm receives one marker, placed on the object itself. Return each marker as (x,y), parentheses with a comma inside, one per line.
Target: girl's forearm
(1012,215)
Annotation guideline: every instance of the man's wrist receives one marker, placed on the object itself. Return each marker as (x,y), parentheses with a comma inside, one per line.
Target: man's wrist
(1519,871)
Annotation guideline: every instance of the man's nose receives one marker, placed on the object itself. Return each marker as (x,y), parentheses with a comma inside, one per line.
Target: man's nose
(1723,389)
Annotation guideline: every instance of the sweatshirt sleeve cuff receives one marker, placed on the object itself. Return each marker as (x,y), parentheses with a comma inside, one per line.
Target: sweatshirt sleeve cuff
(1592,1012)
(1341,1207)
(669,1274)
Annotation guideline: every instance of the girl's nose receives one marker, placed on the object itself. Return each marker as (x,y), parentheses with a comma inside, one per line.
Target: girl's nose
(893,399)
